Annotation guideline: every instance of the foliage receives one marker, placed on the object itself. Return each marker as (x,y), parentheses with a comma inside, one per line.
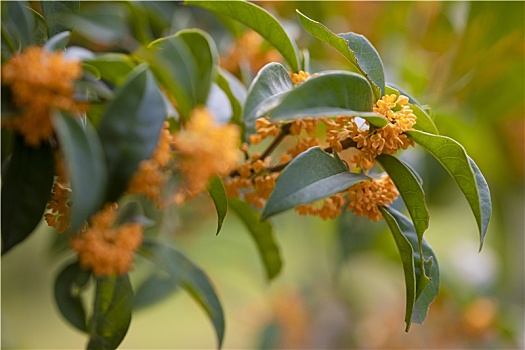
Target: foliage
(166,124)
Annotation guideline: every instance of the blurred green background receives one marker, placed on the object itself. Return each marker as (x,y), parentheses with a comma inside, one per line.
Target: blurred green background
(342,282)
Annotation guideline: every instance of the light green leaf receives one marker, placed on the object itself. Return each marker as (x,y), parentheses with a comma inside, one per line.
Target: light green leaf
(186,65)
(312,175)
(113,67)
(58,15)
(329,94)
(86,168)
(111,312)
(407,258)
(192,279)
(261,232)
(260,21)
(218,194)
(26,187)
(423,121)
(396,90)
(463,170)
(426,289)
(265,93)
(58,42)
(130,128)
(355,48)
(236,93)
(68,287)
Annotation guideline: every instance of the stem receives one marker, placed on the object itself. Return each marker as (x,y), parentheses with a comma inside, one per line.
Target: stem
(284,131)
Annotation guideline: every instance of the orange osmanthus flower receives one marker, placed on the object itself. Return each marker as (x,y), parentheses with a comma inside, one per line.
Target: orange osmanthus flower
(40,81)
(365,198)
(105,248)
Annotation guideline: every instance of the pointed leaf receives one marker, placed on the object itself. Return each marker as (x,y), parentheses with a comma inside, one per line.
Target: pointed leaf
(130,128)
(426,290)
(18,25)
(355,48)
(192,279)
(58,15)
(312,175)
(68,286)
(111,312)
(423,121)
(113,67)
(84,160)
(58,42)
(186,64)
(218,194)
(262,235)
(266,91)
(329,94)
(260,21)
(26,189)
(463,170)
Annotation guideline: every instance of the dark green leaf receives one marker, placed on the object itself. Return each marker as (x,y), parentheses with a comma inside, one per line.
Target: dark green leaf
(463,170)
(26,188)
(355,48)
(111,312)
(185,63)
(68,287)
(105,24)
(260,21)
(265,93)
(329,94)
(85,163)
(113,67)
(57,42)
(155,288)
(131,211)
(130,127)
(312,175)
(192,278)
(39,36)
(426,291)
(410,189)
(18,25)
(261,232)
(58,15)
(218,194)
(407,258)
(236,93)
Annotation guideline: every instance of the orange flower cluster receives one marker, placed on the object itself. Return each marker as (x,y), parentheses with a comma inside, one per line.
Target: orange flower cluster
(150,178)
(40,81)
(327,208)
(299,77)
(204,149)
(105,248)
(365,198)
(248,50)
(60,214)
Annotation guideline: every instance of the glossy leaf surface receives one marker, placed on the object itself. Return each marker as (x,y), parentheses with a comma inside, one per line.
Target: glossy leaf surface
(463,170)
(58,42)
(26,188)
(260,21)
(329,94)
(355,48)
(58,15)
(113,67)
(111,312)
(84,160)
(130,128)
(218,195)
(312,175)
(191,278)
(262,234)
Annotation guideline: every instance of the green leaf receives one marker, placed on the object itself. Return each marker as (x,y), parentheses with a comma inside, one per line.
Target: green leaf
(260,21)
(185,63)
(58,15)
(355,48)
(266,91)
(423,121)
(105,24)
(130,128)
(236,93)
(18,25)
(68,287)
(111,312)
(57,42)
(113,67)
(426,291)
(261,232)
(218,194)
(328,94)
(407,258)
(26,188)
(396,90)
(219,103)
(410,189)
(156,287)
(312,175)
(85,163)
(463,170)
(192,279)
